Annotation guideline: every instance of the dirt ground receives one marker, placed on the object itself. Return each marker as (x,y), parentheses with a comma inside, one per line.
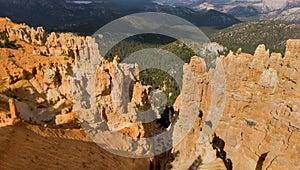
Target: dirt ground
(33,147)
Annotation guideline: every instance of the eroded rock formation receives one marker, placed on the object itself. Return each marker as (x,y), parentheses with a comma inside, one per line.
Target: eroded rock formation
(260,122)
(8,113)
(28,34)
(247,109)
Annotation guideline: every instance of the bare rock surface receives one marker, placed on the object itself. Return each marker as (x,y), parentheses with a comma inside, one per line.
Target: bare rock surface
(261,114)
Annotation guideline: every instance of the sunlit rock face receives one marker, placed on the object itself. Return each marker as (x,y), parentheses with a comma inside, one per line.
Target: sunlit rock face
(260,122)
(293,46)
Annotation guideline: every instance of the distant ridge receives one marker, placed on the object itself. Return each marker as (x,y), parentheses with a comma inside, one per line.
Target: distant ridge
(86,18)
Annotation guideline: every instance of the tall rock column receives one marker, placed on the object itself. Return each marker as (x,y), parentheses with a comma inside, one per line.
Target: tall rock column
(12,108)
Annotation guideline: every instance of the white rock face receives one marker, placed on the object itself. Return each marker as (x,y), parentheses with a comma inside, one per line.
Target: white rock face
(272,5)
(121,80)
(269,79)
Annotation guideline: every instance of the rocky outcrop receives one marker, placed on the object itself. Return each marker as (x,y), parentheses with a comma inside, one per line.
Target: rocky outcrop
(63,44)
(260,122)
(9,116)
(65,118)
(41,85)
(196,146)
(293,45)
(28,34)
(14,72)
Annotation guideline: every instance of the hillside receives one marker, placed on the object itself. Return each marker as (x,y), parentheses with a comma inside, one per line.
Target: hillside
(243,11)
(249,35)
(247,10)
(86,19)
